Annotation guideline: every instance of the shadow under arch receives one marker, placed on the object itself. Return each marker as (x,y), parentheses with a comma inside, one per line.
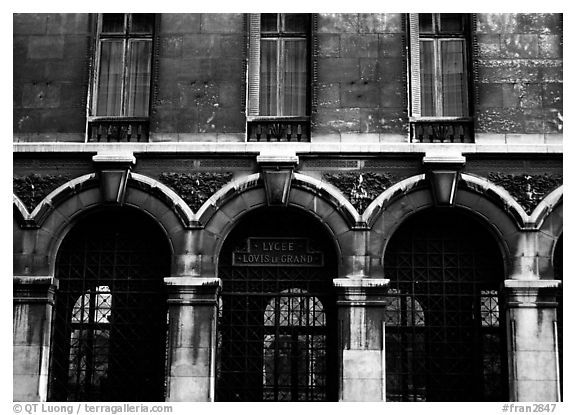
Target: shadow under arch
(445,321)
(277,319)
(108,342)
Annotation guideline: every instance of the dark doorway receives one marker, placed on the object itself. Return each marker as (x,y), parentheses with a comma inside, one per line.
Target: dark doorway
(276,326)
(445,333)
(109,338)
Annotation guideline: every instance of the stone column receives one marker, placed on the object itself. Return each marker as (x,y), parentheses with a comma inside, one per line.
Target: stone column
(32,325)
(193,313)
(532,340)
(361,307)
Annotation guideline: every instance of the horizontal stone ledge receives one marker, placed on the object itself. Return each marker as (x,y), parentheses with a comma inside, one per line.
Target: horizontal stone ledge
(532,284)
(288,147)
(192,282)
(34,280)
(361,282)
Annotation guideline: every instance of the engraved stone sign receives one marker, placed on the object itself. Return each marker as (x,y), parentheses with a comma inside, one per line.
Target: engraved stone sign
(286,252)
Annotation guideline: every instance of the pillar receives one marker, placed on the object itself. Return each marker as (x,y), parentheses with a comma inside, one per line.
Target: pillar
(361,307)
(533,340)
(32,324)
(193,313)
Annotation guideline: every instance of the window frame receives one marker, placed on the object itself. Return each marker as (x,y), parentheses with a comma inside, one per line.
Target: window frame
(437,38)
(255,37)
(126,36)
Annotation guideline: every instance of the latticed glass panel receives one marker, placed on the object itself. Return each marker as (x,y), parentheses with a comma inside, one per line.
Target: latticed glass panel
(444,340)
(110,315)
(275,324)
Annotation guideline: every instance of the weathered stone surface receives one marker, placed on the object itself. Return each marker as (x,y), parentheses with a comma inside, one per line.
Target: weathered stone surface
(489,45)
(391,45)
(46,47)
(68,23)
(329,95)
(222,23)
(490,95)
(495,23)
(180,22)
(359,45)
(360,94)
(338,70)
(550,46)
(338,23)
(520,46)
(171,46)
(30,23)
(380,22)
(328,45)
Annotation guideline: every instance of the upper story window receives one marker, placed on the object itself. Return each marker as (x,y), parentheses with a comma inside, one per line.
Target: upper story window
(439,64)
(123,76)
(279,77)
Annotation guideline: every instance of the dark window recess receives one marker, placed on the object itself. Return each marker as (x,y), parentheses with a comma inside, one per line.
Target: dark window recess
(109,339)
(445,337)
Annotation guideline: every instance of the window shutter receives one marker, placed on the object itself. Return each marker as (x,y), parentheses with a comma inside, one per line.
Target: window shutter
(314,64)
(414,33)
(245,42)
(475,53)
(155,78)
(254,65)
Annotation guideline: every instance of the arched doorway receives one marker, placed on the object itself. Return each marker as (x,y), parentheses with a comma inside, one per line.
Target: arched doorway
(109,339)
(444,326)
(276,325)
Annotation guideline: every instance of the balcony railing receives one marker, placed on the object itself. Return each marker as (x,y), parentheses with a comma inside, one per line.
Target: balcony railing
(441,130)
(279,129)
(118,130)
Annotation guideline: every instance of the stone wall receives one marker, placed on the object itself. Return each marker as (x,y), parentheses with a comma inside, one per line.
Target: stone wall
(361,74)
(51,69)
(519,73)
(201,77)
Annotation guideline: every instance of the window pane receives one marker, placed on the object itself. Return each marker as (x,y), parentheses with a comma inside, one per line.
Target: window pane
(110,78)
(296,23)
(451,23)
(113,23)
(425,22)
(454,91)
(142,23)
(268,77)
(427,78)
(138,78)
(295,77)
(269,22)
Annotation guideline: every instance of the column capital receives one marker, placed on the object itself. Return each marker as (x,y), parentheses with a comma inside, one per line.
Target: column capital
(193,290)
(531,293)
(34,289)
(361,292)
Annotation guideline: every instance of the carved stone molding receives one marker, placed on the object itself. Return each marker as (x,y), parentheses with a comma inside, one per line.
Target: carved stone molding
(361,188)
(528,190)
(195,188)
(33,188)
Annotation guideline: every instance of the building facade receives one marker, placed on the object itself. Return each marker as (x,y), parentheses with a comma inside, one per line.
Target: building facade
(317,207)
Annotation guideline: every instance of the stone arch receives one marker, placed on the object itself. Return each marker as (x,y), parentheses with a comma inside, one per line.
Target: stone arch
(224,209)
(491,204)
(548,217)
(55,215)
